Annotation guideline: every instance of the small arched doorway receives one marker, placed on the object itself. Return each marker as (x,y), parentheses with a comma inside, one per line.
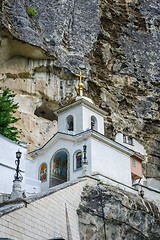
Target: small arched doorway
(59,167)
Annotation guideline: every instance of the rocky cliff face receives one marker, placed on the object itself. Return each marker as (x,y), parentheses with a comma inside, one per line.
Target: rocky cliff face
(115,44)
(106,212)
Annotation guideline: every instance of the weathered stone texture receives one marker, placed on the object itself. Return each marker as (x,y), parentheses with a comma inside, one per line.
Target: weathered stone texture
(122,215)
(62,32)
(66,29)
(129,73)
(115,43)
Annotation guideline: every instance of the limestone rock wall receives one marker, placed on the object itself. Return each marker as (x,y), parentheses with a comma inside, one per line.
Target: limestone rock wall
(110,213)
(115,44)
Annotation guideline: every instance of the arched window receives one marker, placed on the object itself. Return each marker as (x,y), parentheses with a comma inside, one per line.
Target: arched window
(70,124)
(130,140)
(43,172)
(93,123)
(77,160)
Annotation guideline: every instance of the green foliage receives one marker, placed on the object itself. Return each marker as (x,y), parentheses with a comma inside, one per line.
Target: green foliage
(7,109)
(31,12)
(87,186)
(100,182)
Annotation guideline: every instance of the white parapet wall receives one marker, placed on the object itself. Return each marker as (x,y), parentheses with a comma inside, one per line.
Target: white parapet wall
(8,149)
(109,181)
(137,147)
(153,183)
(150,194)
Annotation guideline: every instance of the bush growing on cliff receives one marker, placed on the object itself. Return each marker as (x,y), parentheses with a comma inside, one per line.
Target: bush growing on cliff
(31,12)
(101,182)
(7,109)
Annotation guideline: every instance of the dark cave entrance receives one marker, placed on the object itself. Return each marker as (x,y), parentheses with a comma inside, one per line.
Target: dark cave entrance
(45,112)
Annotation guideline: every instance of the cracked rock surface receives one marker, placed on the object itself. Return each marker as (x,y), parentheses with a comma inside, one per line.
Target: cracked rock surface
(124,215)
(116,46)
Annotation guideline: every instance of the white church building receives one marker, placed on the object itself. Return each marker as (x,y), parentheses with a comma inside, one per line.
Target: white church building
(78,149)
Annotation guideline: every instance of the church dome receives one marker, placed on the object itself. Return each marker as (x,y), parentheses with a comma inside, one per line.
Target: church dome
(78,98)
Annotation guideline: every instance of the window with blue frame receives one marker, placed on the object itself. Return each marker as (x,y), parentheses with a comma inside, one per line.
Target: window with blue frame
(77,160)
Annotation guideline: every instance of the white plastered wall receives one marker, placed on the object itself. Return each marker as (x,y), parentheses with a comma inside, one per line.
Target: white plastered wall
(77,120)
(32,184)
(8,149)
(110,162)
(87,114)
(82,119)
(47,155)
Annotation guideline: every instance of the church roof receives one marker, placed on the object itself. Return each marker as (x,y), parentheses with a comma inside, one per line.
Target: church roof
(76,137)
(81,101)
(20,143)
(139,156)
(72,100)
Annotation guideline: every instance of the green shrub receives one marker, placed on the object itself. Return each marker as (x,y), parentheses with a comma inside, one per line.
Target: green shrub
(87,186)
(100,182)
(31,12)
(7,118)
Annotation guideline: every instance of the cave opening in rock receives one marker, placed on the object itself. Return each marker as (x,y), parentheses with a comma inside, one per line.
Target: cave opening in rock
(45,112)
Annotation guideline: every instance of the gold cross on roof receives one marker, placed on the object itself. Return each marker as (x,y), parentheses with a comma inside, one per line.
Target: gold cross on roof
(80,85)
(80,75)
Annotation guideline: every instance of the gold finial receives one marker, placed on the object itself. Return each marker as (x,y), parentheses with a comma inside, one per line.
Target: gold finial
(80,85)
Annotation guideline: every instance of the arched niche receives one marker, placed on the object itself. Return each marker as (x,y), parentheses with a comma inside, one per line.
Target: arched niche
(70,123)
(59,167)
(94,124)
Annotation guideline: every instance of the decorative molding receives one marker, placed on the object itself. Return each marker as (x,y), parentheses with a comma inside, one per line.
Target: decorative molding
(80,137)
(82,102)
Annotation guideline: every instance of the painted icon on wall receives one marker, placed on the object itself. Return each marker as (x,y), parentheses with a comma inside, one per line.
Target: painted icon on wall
(59,166)
(43,172)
